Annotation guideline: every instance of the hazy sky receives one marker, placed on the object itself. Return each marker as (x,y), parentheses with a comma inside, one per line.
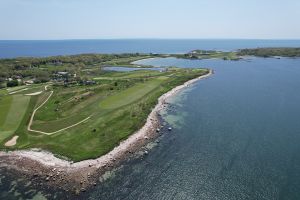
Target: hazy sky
(96,19)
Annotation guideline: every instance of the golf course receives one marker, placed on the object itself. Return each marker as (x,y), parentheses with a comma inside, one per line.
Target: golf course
(84,121)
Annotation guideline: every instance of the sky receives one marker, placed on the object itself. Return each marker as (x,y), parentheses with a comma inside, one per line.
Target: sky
(190,19)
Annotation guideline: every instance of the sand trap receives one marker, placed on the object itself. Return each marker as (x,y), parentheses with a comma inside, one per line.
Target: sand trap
(12,142)
(34,94)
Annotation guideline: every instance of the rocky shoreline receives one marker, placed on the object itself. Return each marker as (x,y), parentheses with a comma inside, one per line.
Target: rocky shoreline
(46,169)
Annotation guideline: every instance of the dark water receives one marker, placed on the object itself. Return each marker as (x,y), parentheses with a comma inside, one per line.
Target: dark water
(236,136)
(10,49)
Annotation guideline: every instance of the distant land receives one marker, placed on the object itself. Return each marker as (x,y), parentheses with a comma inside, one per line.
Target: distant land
(236,55)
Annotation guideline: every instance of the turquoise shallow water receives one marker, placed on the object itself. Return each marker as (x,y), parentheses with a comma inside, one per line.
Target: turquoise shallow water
(235,135)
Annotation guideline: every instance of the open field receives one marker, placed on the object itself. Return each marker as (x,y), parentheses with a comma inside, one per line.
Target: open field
(131,94)
(87,120)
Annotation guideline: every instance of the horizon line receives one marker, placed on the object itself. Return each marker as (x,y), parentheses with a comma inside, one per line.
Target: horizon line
(149,39)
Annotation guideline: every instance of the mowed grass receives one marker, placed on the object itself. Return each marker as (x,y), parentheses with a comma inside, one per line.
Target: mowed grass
(117,107)
(3,92)
(13,108)
(67,106)
(13,89)
(5,104)
(132,94)
(128,75)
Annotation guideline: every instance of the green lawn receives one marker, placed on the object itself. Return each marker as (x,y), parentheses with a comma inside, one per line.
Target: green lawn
(127,75)
(132,94)
(13,89)
(13,108)
(5,104)
(118,106)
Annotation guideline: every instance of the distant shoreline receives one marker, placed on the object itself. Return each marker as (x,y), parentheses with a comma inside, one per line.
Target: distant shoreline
(83,174)
(46,48)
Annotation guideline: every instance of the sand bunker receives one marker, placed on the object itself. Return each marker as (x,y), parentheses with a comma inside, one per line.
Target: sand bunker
(34,94)
(12,142)
(14,92)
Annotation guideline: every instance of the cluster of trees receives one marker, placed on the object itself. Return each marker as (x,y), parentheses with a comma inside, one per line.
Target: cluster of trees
(42,69)
(12,83)
(269,52)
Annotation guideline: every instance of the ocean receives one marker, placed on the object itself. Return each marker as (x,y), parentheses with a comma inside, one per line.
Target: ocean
(40,48)
(235,134)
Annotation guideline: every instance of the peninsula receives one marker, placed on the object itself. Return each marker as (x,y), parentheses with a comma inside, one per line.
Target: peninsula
(74,115)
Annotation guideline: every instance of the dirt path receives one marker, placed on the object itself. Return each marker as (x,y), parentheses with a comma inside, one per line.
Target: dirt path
(50,133)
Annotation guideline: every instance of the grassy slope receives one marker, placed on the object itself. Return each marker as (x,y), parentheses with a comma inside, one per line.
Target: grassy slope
(127,75)
(132,94)
(13,109)
(5,105)
(117,111)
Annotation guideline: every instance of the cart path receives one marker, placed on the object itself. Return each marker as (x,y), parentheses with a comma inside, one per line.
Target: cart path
(50,133)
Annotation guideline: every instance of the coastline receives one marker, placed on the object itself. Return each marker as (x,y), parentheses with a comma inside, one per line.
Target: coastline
(66,174)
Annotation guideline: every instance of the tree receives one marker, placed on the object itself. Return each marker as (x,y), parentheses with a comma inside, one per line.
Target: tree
(2,80)
(41,76)
(12,83)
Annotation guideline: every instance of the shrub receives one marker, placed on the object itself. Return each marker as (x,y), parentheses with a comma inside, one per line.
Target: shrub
(12,83)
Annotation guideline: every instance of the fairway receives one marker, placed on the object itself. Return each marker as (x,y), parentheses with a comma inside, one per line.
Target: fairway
(127,75)
(132,94)
(5,104)
(82,121)
(12,113)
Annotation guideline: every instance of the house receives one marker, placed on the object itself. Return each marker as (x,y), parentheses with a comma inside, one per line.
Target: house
(61,76)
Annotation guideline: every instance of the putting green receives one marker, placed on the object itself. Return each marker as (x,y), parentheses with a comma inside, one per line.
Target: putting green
(13,109)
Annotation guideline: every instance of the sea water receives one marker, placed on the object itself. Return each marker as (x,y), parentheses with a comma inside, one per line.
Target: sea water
(235,135)
(34,48)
